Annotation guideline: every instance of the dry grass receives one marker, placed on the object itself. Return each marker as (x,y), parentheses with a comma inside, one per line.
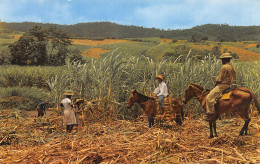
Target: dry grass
(250,45)
(122,141)
(16,37)
(98,42)
(244,55)
(166,40)
(94,52)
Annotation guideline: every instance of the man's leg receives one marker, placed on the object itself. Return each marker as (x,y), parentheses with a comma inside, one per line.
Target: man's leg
(40,112)
(161,104)
(71,127)
(67,128)
(210,102)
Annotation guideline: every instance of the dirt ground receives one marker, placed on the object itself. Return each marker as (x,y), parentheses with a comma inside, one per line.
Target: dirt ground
(25,138)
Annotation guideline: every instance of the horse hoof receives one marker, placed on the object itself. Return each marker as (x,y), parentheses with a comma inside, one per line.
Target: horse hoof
(211,137)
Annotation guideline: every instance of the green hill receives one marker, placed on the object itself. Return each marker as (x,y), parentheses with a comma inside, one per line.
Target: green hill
(213,32)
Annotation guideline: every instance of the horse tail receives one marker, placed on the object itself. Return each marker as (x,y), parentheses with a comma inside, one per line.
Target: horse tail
(255,100)
(256,103)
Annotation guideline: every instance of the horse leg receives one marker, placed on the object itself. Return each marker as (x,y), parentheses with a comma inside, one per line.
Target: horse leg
(214,127)
(247,120)
(152,121)
(210,128)
(245,127)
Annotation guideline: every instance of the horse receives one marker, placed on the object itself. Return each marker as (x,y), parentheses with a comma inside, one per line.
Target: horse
(149,105)
(239,102)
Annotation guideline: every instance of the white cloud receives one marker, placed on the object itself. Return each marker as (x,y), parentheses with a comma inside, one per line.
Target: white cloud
(148,13)
(59,12)
(190,13)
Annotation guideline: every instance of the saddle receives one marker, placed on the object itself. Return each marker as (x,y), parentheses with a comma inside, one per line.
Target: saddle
(226,93)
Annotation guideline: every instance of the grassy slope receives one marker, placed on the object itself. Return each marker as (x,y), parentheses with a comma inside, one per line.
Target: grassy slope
(154,48)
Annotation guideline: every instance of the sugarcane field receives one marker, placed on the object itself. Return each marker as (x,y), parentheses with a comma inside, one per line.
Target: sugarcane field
(105,93)
(111,126)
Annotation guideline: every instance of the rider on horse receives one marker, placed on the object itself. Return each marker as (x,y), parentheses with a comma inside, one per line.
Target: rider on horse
(161,92)
(224,80)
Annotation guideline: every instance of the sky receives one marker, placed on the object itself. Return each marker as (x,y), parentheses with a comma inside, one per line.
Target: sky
(161,14)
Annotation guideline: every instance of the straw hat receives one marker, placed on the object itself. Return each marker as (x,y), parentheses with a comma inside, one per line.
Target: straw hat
(160,77)
(69,92)
(225,56)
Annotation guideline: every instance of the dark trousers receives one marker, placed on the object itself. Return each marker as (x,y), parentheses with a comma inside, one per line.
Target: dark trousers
(69,128)
(40,112)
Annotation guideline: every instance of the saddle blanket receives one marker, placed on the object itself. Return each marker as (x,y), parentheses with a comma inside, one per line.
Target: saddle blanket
(225,96)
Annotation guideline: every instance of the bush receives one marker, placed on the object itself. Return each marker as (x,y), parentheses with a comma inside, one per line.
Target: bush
(22,98)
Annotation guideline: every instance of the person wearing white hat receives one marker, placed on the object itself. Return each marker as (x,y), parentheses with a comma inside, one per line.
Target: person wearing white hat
(224,80)
(161,92)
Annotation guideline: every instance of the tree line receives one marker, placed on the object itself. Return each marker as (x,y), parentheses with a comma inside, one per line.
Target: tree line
(213,32)
(40,46)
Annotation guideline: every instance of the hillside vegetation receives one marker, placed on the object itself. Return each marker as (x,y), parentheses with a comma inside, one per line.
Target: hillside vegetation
(214,32)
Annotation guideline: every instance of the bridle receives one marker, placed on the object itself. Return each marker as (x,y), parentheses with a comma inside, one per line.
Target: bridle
(200,95)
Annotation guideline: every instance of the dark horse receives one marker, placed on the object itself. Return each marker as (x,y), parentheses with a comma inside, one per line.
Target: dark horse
(149,106)
(239,102)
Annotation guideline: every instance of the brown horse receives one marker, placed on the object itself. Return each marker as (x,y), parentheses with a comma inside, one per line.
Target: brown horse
(239,102)
(148,104)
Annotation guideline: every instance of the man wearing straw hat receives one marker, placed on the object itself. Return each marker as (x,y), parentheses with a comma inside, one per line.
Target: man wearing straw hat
(69,114)
(224,80)
(161,91)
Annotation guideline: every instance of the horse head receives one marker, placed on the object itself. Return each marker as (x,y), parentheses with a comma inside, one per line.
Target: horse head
(132,99)
(190,92)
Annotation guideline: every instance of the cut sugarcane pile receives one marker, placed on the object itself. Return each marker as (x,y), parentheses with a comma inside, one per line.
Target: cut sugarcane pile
(27,139)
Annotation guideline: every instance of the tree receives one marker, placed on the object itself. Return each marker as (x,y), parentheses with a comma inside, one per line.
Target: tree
(58,47)
(75,56)
(40,47)
(174,40)
(193,39)
(216,51)
(30,49)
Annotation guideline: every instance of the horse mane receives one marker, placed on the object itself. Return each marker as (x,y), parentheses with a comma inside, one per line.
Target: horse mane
(197,86)
(144,97)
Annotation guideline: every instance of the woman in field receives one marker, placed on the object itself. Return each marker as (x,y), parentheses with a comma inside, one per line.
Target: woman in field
(69,114)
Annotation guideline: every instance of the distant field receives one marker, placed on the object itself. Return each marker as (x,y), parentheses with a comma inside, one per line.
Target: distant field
(98,42)
(242,51)
(94,52)
(154,47)
(17,36)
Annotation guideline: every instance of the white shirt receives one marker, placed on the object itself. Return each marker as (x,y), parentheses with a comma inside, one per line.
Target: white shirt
(66,103)
(161,90)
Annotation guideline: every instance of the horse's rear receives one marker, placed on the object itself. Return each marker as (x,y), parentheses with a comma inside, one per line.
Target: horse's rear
(239,102)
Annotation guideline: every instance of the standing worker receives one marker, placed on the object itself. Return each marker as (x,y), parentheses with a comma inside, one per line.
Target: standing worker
(161,92)
(69,114)
(224,80)
(42,107)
